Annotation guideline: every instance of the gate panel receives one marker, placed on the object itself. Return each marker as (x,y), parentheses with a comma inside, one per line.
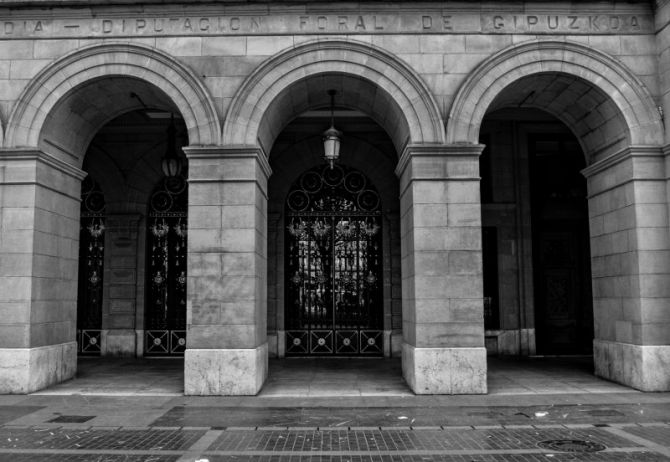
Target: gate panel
(91,268)
(165,329)
(334,292)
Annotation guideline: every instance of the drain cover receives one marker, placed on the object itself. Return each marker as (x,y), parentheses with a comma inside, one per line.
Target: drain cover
(571,445)
(72,418)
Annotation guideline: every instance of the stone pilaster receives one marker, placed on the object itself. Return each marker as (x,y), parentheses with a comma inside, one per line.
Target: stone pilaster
(630,251)
(227,351)
(442,289)
(120,290)
(39,243)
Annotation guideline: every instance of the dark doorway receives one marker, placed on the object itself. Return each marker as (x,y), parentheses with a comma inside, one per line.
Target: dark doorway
(561,255)
(334,302)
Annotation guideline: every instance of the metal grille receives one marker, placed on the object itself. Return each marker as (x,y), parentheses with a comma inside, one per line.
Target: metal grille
(91,268)
(165,330)
(334,255)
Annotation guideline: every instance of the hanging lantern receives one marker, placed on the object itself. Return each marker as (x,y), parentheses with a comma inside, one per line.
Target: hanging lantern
(331,137)
(171,163)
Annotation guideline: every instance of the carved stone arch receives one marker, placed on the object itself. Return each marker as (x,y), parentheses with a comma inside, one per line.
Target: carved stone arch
(630,105)
(90,66)
(406,108)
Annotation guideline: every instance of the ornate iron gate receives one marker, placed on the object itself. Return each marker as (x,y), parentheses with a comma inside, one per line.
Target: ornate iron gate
(333,265)
(91,268)
(165,330)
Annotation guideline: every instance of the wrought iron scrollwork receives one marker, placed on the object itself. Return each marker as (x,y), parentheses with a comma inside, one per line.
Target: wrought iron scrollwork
(91,268)
(165,332)
(334,264)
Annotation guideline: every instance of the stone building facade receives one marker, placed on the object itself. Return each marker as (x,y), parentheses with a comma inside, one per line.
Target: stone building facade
(503,187)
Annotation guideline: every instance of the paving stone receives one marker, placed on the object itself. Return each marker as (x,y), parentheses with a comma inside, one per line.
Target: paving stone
(657,434)
(9,413)
(89,458)
(52,438)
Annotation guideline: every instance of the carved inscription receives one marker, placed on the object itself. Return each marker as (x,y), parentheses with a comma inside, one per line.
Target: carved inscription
(554,23)
(327,23)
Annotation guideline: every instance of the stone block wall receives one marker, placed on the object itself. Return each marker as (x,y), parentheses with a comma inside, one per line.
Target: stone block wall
(425,60)
(39,238)
(440,222)
(630,246)
(227,266)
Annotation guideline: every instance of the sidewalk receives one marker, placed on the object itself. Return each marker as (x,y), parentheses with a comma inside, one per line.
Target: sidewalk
(594,420)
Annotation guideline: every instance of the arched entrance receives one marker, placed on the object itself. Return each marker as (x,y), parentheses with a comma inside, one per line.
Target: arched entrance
(50,132)
(442,349)
(614,119)
(334,303)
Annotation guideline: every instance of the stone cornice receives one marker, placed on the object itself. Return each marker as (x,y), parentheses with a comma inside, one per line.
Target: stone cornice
(22,154)
(436,150)
(621,156)
(230,152)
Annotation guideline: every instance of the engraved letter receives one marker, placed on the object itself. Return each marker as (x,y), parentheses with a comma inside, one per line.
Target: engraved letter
(255,23)
(446,22)
(106,26)
(9,28)
(615,22)
(593,22)
(303,22)
(360,24)
(427,22)
(38,26)
(498,22)
(204,24)
(634,22)
(377,26)
(187,25)
(555,25)
(321,22)
(573,21)
(158,26)
(342,22)
(140,24)
(235,23)
(532,20)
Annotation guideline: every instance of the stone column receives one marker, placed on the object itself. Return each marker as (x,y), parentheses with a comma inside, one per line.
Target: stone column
(442,290)
(630,254)
(39,243)
(120,286)
(227,350)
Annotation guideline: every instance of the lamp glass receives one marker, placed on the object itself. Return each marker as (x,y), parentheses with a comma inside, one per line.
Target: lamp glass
(171,166)
(331,145)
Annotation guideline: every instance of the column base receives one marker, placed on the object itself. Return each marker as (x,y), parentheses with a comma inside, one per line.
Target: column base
(26,370)
(226,372)
(444,371)
(644,367)
(118,342)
